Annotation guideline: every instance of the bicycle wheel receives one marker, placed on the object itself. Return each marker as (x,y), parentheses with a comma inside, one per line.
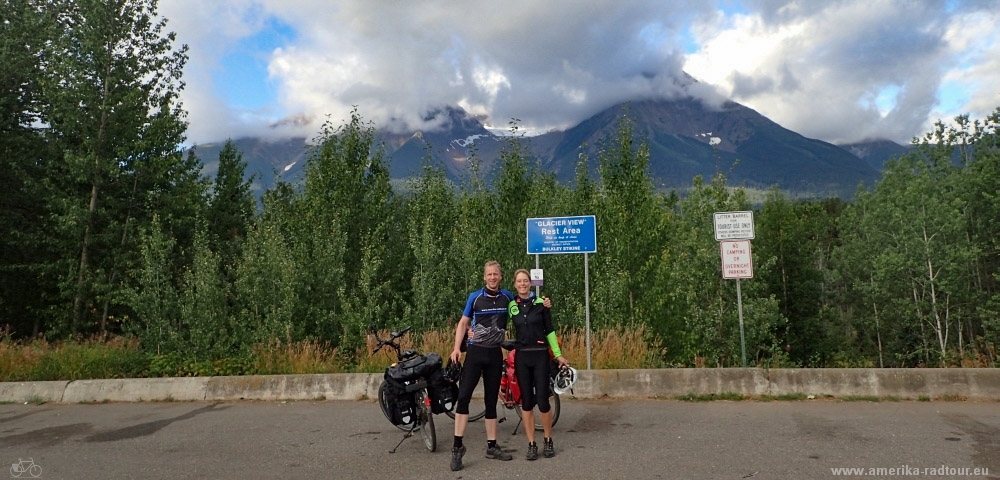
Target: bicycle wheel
(383,403)
(425,423)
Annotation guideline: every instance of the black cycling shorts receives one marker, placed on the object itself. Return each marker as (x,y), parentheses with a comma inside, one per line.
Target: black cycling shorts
(485,363)
(532,370)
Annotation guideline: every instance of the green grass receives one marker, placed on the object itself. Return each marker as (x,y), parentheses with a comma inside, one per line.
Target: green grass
(784,397)
(953,398)
(862,398)
(711,397)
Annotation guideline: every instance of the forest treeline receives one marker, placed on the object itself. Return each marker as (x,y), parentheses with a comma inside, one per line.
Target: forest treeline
(111,230)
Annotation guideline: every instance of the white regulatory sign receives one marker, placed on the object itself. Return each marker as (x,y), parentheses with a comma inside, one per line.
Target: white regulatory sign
(537,277)
(736,259)
(733,226)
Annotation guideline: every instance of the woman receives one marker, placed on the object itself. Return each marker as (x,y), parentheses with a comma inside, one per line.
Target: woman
(535,335)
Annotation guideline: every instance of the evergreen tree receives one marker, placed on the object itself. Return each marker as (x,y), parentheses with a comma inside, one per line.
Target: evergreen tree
(792,238)
(24,155)
(231,205)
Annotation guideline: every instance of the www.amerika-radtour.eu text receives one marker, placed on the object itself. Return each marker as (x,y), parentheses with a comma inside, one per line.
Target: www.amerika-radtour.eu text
(908,471)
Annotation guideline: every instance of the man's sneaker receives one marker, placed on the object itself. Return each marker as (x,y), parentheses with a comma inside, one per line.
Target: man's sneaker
(532,451)
(498,453)
(548,450)
(456,458)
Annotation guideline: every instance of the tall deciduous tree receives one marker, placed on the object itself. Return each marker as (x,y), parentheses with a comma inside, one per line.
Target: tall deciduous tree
(432,214)
(913,236)
(630,216)
(984,225)
(111,92)
(153,295)
(347,220)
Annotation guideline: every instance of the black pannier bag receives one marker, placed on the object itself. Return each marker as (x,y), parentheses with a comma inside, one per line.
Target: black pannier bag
(400,403)
(404,411)
(417,367)
(443,393)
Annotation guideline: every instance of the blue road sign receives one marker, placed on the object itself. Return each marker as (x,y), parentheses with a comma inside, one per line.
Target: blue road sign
(562,235)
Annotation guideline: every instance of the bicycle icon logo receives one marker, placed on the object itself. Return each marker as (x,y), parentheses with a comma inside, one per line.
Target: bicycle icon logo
(25,466)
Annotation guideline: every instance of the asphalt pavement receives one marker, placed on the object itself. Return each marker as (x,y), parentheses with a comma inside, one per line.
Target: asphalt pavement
(599,439)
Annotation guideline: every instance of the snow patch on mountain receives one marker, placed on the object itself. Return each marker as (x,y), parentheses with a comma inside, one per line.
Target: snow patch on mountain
(711,139)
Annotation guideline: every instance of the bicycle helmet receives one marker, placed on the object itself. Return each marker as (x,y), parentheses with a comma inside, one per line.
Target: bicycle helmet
(453,372)
(564,380)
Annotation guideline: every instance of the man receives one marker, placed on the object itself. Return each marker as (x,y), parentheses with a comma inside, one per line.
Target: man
(485,321)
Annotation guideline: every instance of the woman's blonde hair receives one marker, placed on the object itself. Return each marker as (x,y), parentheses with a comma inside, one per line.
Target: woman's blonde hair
(521,270)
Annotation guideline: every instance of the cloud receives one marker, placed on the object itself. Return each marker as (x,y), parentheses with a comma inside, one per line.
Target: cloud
(839,71)
(818,67)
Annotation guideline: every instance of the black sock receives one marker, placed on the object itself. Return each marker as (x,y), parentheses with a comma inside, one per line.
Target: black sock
(458,442)
(491,444)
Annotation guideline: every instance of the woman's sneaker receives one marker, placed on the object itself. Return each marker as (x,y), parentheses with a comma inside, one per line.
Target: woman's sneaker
(532,451)
(456,458)
(548,450)
(497,453)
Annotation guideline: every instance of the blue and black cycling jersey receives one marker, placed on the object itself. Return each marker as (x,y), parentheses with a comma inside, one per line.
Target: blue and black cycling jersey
(487,310)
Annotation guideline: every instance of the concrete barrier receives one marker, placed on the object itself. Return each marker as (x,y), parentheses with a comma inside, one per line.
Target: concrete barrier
(970,383)
(32,392)
(136,390)
(904,383)
(334,386)
(935,383)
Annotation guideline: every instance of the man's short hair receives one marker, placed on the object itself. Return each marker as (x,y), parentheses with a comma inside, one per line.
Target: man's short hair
(492,263)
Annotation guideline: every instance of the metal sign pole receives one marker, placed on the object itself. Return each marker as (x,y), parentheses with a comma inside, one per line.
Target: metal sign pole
(586,296)
(538,288)
(739,303)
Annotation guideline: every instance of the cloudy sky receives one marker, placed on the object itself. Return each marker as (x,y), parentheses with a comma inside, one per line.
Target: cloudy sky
(837,70)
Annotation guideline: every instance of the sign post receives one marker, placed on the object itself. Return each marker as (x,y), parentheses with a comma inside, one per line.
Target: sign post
(733,231)
(565,235)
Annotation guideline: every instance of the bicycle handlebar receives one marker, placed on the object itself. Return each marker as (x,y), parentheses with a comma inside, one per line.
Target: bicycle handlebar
(400,333)
(391,341)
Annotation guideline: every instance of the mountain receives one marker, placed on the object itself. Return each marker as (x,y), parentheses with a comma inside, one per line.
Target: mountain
(876,152)
(685,137)
(451,144)
(266,160)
